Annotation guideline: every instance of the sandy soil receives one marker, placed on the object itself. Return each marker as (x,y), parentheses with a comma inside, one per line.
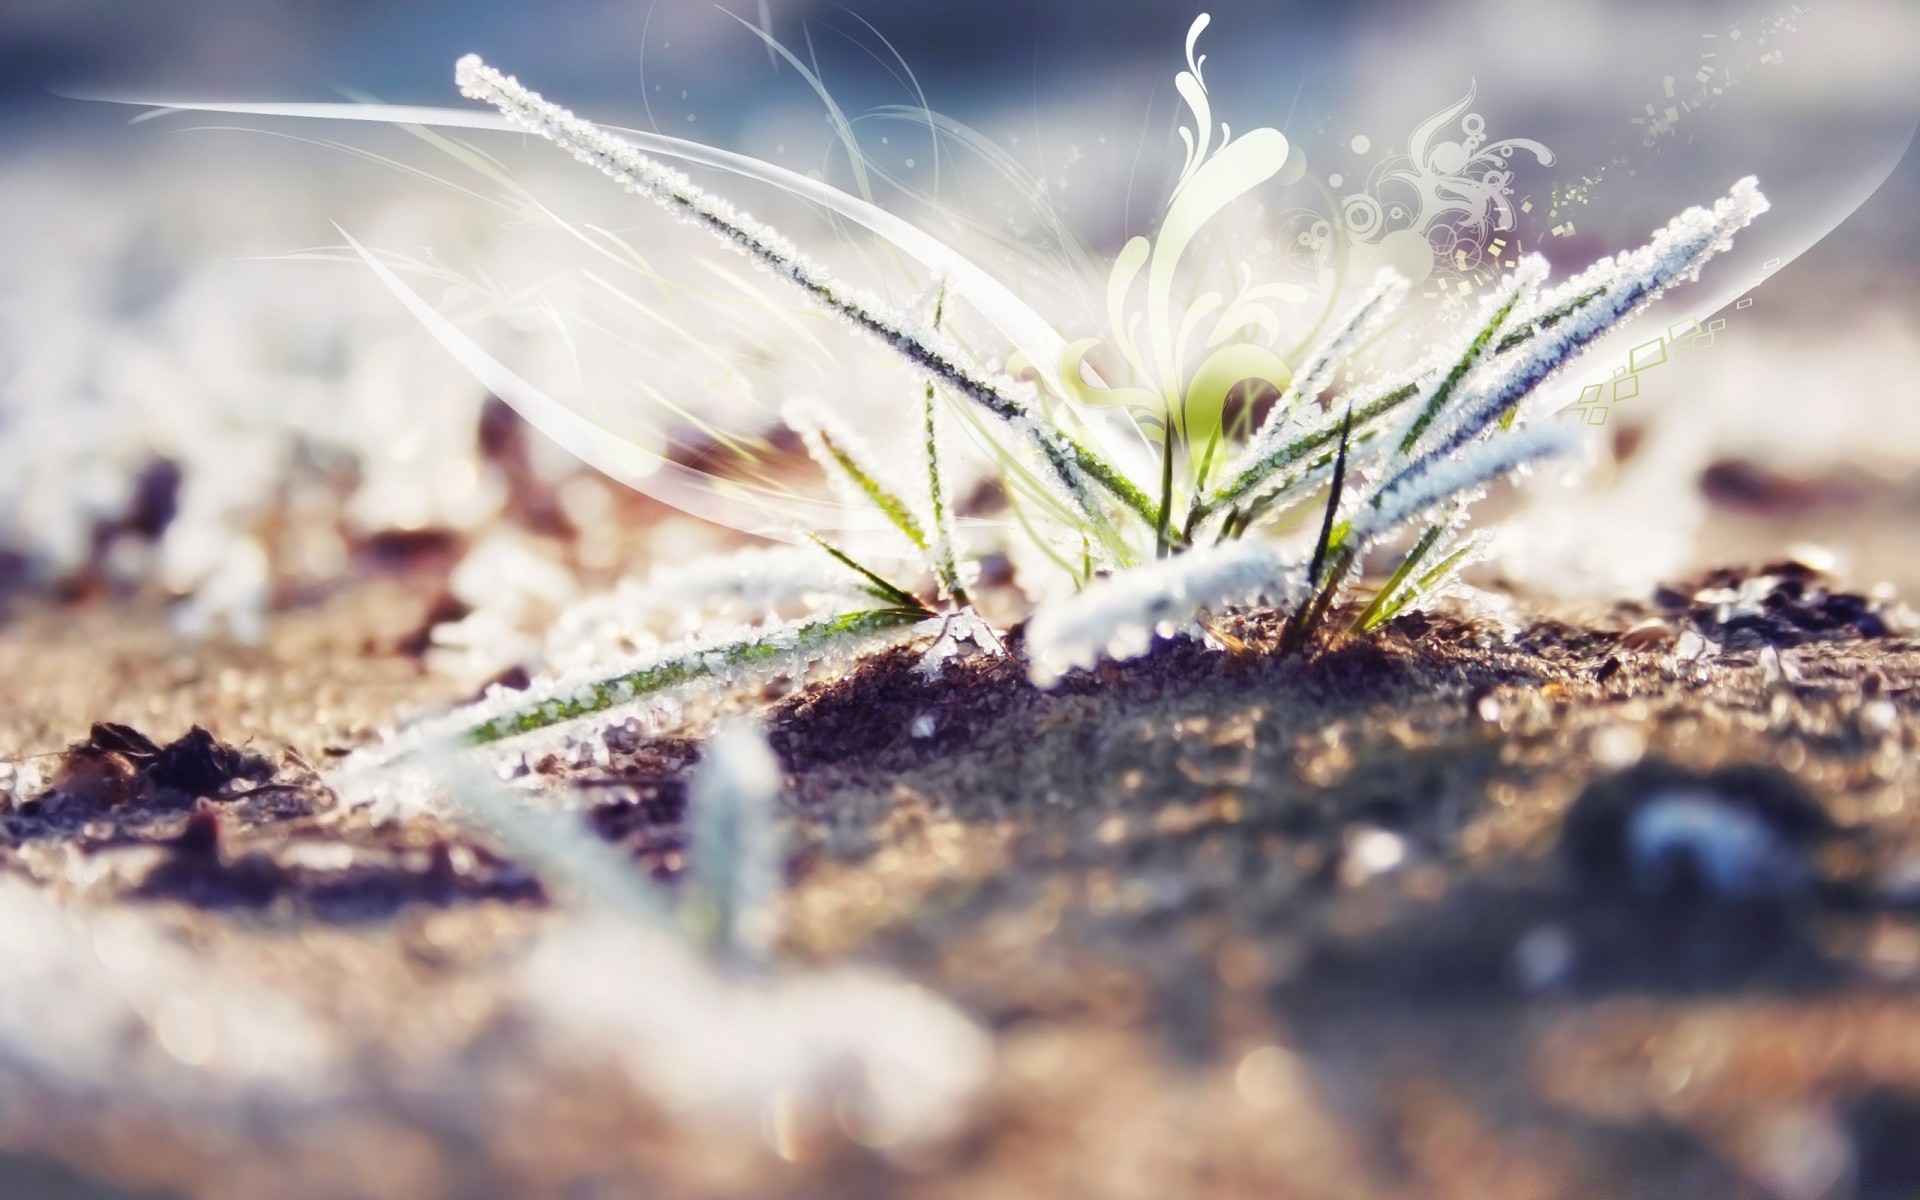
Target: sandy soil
(1365,923)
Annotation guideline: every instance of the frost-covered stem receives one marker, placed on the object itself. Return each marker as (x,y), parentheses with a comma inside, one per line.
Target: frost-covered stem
(1314,611)
(556,846)
(1494,315)
(759,649)
(1432,482)
(849,464)
(1071,462)
(945,562)
(1626,284)
(1164,521)
(1461,479)
(1119,616)
(876,584)
(1250,492)
(1302,625)
(753,580)
(1267,451)
(1296,485)
(733,850)
(1554,309)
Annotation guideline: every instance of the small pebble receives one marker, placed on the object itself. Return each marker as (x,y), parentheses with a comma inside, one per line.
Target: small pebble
(1369,853)
(1693,648)
(1878,716)
(1739,835)
(1543,958)
(1617,747)
(1732,851)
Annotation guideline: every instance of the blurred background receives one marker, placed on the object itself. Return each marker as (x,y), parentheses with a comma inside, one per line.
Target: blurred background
(184,421)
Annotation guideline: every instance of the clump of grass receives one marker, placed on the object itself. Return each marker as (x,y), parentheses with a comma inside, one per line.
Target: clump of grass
(1396,461)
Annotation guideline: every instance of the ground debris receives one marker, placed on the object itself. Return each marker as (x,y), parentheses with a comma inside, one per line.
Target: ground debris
(117,764)
(196,762)
(1784,603)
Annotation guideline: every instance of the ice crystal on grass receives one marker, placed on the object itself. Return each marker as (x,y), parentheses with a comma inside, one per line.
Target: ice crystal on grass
(1430,484)
(1075,468)
(605,694)
(1272,446)
(546,837)
(787,648)
(1118,617)
(854,470)
(893,1061)
(1410,450)
(1389,456)
(1572,317)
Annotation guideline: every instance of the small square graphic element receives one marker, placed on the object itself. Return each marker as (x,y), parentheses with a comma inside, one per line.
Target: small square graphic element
(1626,389)
(1648,354)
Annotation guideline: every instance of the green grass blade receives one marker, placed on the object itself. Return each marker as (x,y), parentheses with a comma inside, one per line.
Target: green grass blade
(1333,502)
(1548,320)
(1309,614)
(760,649)
(1259,474)
(837,450)
(1475,351)
(1376,614)
(1442,571)
(945,564)
(879,586)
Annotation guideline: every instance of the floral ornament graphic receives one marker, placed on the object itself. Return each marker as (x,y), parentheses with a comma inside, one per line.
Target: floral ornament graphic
(1455,193)
(1175,352)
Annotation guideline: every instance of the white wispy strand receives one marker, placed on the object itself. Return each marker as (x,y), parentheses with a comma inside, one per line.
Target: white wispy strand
(734,870)
(1119,616)
(1389,288)
(927,349)
(1462,476)
(1626,283)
